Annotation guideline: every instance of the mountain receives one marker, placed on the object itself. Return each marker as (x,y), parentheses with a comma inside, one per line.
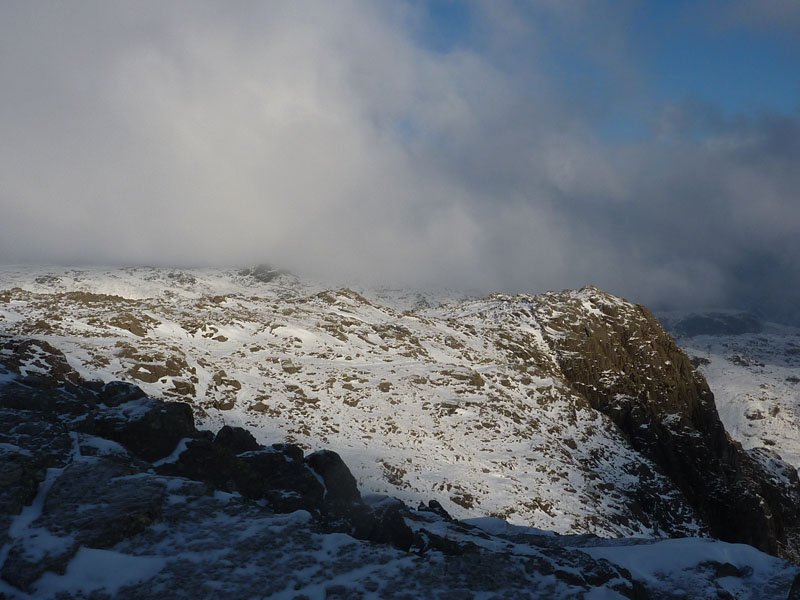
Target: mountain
(753,366)
(573,412)
(108,493)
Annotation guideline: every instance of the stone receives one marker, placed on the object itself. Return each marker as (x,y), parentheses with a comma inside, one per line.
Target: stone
(147,428)
(236,439)
(340,485)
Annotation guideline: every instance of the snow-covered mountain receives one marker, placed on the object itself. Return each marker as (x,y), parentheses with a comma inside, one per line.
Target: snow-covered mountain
(107,493)
(573,412)
(753,366)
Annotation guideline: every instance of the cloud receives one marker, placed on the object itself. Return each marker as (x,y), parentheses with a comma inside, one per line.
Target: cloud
(331,139)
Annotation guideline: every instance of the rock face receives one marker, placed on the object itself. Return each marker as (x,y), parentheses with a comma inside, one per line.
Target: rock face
(463,403)
(629,368)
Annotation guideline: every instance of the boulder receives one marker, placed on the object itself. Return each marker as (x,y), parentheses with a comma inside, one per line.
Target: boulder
(94,502)
(236,439)
(283,480)
(147,428)
(340,485)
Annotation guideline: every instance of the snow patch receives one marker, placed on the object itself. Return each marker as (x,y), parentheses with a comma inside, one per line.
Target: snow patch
(93,570)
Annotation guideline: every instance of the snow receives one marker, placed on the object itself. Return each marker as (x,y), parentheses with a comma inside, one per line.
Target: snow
(101,446)
(6,376)
(93,570)
(396,395)
(180,447)
(13,448)
(754,377)
(133,410)
(664,566)
(36,541)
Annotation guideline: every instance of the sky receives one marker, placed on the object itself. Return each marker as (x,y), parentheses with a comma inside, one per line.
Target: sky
(649,148)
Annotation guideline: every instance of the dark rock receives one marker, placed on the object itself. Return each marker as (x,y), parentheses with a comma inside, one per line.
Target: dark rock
(50,365)
(205,461)
(384,524)
(794,592)
(436,508)
(340,485)
(34,440)
(22,568)
(427,541)
(291,451)
(288,484)
(149,429)
(667,411)
(204,434)
(20,475)
(115,393)
(114,500)
(96,503)
(236,439)
(727,569)
(32,393)
(263,273)
(739,360)
(103,501)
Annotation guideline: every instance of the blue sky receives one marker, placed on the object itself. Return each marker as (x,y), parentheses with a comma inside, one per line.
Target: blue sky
(737,69)
(681,52)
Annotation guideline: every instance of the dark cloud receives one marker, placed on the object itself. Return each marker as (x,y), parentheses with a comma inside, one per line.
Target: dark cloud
(329,138)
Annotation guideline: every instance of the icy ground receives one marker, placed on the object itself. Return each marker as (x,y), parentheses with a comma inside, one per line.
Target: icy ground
(214,546)
(225,548)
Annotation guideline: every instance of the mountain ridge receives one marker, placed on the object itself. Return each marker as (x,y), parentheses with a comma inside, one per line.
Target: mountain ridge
(515,406)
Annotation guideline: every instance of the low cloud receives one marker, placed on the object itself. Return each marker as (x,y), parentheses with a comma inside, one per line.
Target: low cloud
(330,139)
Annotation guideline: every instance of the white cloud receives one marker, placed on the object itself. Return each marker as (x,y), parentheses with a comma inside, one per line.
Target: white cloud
(327,137)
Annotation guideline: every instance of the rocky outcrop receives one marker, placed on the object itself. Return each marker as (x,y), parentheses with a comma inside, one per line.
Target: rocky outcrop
(263,273)
(619,357)
(94,466)
(162,437)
